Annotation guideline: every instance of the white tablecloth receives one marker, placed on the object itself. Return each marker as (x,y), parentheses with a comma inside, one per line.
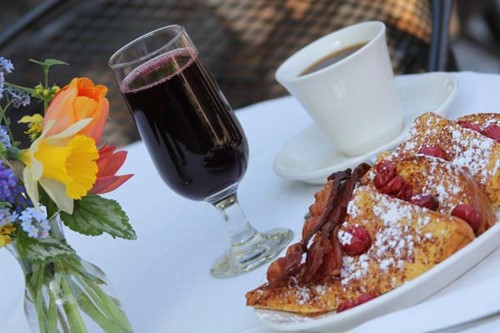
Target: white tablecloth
(163,277)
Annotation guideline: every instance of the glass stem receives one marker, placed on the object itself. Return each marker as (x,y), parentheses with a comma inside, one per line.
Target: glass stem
(239,228)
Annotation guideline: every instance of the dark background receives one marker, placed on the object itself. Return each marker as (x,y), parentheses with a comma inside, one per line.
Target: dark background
(229,34)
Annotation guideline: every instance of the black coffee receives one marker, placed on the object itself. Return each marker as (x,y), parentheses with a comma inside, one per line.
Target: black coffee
(332,58)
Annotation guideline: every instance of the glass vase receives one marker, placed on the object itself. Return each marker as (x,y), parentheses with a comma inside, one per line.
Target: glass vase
(69,294)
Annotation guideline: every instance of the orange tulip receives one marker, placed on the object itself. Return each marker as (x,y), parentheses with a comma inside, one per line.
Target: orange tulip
(109,163)
(78,100)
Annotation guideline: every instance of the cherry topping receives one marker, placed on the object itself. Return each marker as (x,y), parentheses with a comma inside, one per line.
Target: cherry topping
(387,167)
(359,241)
(469,214)
(405,193)
(425,200)
(387,181)
(434,151)
(393,186)
(346,305)
(365,298)
(385,172)
(469,125)
(493,132)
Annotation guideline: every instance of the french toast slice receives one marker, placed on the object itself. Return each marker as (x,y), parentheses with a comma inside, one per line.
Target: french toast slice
(477,154)
(436,184)
(406,241)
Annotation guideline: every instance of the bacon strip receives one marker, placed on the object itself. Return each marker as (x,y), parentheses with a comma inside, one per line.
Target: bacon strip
(324,255)
(324,259)
(337,179)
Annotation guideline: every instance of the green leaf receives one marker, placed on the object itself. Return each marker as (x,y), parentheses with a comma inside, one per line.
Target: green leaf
(30,91)
(49,62)
(42,250)
(94,215)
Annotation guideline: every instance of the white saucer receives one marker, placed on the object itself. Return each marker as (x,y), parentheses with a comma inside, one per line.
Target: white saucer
(310,158)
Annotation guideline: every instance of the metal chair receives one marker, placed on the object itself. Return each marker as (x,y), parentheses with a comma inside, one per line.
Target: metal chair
(242,42)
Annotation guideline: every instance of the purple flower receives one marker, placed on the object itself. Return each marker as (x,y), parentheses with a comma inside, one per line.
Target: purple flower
(11,189)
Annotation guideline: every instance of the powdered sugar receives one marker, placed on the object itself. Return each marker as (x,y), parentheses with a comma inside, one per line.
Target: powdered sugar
(466,148)
(352,209)
(399,228)
(303,295)
(344,237)
(354,268)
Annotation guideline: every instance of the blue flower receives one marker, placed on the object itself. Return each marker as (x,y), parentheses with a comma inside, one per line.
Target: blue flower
(6,65)
(19,98)
(34,222)
(2,84)
(4,137)
(7,217)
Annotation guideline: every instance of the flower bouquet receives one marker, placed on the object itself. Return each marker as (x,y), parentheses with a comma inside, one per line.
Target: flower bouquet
(57,180)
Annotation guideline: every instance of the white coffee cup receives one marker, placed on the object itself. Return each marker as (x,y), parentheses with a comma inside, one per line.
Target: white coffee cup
(354,101)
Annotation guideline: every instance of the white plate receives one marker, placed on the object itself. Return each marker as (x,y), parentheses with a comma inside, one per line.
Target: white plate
(404,296)
(310,158)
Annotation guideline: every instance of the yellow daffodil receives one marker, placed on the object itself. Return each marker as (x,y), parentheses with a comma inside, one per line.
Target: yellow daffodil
(64,165)
(5,232)
(34,125)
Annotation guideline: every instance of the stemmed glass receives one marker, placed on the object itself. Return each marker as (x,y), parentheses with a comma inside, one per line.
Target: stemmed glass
(193,137)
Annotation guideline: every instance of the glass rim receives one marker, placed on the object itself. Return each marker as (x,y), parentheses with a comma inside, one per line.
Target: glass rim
(111,61)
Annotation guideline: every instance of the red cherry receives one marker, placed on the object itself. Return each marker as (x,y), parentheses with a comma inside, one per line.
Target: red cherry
(346,305)
(425,200)
(469,125)
(385,172)
(469,214)
(386,167)
(359,242)
(493,132)
(434,151)
(393,186)
(365,298)
(405,193)
(387,181)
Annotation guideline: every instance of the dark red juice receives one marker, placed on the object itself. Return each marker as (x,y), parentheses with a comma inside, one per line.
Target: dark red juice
(195,140)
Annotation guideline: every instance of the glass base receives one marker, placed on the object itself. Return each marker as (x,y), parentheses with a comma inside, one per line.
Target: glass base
(260,249)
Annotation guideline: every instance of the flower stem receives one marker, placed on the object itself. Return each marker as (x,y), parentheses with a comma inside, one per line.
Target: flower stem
(37,294)
(92,310)
(99,305)
(52,313)
(6,120)
(66,293)
(76,322)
